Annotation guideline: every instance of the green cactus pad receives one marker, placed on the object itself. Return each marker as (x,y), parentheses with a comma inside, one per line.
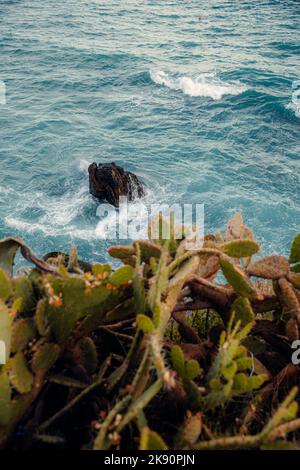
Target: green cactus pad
(145,323)
(23,331)
(178,360)
(295,250)
(20,376)
(122,276)
(150,440)
(23,290)
(5,399)
(243,310)
(192,369)
(240,248)
(237,279)
(5,285)
(45,357)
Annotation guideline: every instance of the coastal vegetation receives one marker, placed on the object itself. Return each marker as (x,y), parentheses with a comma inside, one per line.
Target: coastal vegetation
(174,349)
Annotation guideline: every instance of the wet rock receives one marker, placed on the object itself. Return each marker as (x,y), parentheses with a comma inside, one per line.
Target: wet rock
(109,181)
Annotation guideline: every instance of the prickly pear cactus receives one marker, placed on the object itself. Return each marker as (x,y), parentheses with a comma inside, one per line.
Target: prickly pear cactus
(174,349)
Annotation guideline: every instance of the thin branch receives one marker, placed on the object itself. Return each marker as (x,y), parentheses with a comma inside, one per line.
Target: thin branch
(286,428)
(232,442)
(196,304)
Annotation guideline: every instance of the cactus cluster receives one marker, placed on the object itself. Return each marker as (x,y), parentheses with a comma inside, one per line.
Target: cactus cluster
(189,349)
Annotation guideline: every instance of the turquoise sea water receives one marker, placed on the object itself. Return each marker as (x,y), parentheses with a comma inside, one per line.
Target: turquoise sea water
(194,96)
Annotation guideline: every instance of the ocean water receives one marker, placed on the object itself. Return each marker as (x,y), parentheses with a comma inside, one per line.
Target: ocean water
(196,97)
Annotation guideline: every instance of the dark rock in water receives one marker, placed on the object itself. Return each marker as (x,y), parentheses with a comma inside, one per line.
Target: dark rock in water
(109,181)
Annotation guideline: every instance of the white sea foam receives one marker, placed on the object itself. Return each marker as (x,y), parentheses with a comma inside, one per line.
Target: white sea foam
(64,215)
(84,165)
(51,230)
(294,106)
(59,214)
(5,190)
(205,85)
(62,210)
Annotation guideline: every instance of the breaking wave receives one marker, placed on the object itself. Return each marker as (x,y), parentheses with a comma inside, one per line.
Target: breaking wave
(205,85)
(294,106)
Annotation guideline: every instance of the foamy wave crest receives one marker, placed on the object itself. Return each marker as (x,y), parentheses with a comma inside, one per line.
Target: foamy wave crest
(294,106)
(50,230)
(75,215)
(66,215)
(84,165)
(59,216)
(5,190)
(205,85)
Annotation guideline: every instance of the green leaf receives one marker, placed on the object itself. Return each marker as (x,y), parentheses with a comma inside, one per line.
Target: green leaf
(192,369)
(295,250)
(186,270)
(41,318)
(240,383)
(145,323)
(215,385)
(21,377)
(153,265)
(240,248)
(100,269)
(23,331)
(237,279)
(122,276)
(230,370)
(241,334)
(244,363)
(178,361)
(291,412)
(243,310)
(63,272)
(256,381)
(62,318)
(5,286)
(5,399)
(150,440)
(23,290)
(45,357)
(75,303)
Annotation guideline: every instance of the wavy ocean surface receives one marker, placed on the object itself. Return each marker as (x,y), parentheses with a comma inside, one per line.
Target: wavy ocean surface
(194,96)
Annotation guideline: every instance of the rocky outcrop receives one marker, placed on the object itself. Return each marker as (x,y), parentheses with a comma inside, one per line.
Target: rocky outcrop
(109,181)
